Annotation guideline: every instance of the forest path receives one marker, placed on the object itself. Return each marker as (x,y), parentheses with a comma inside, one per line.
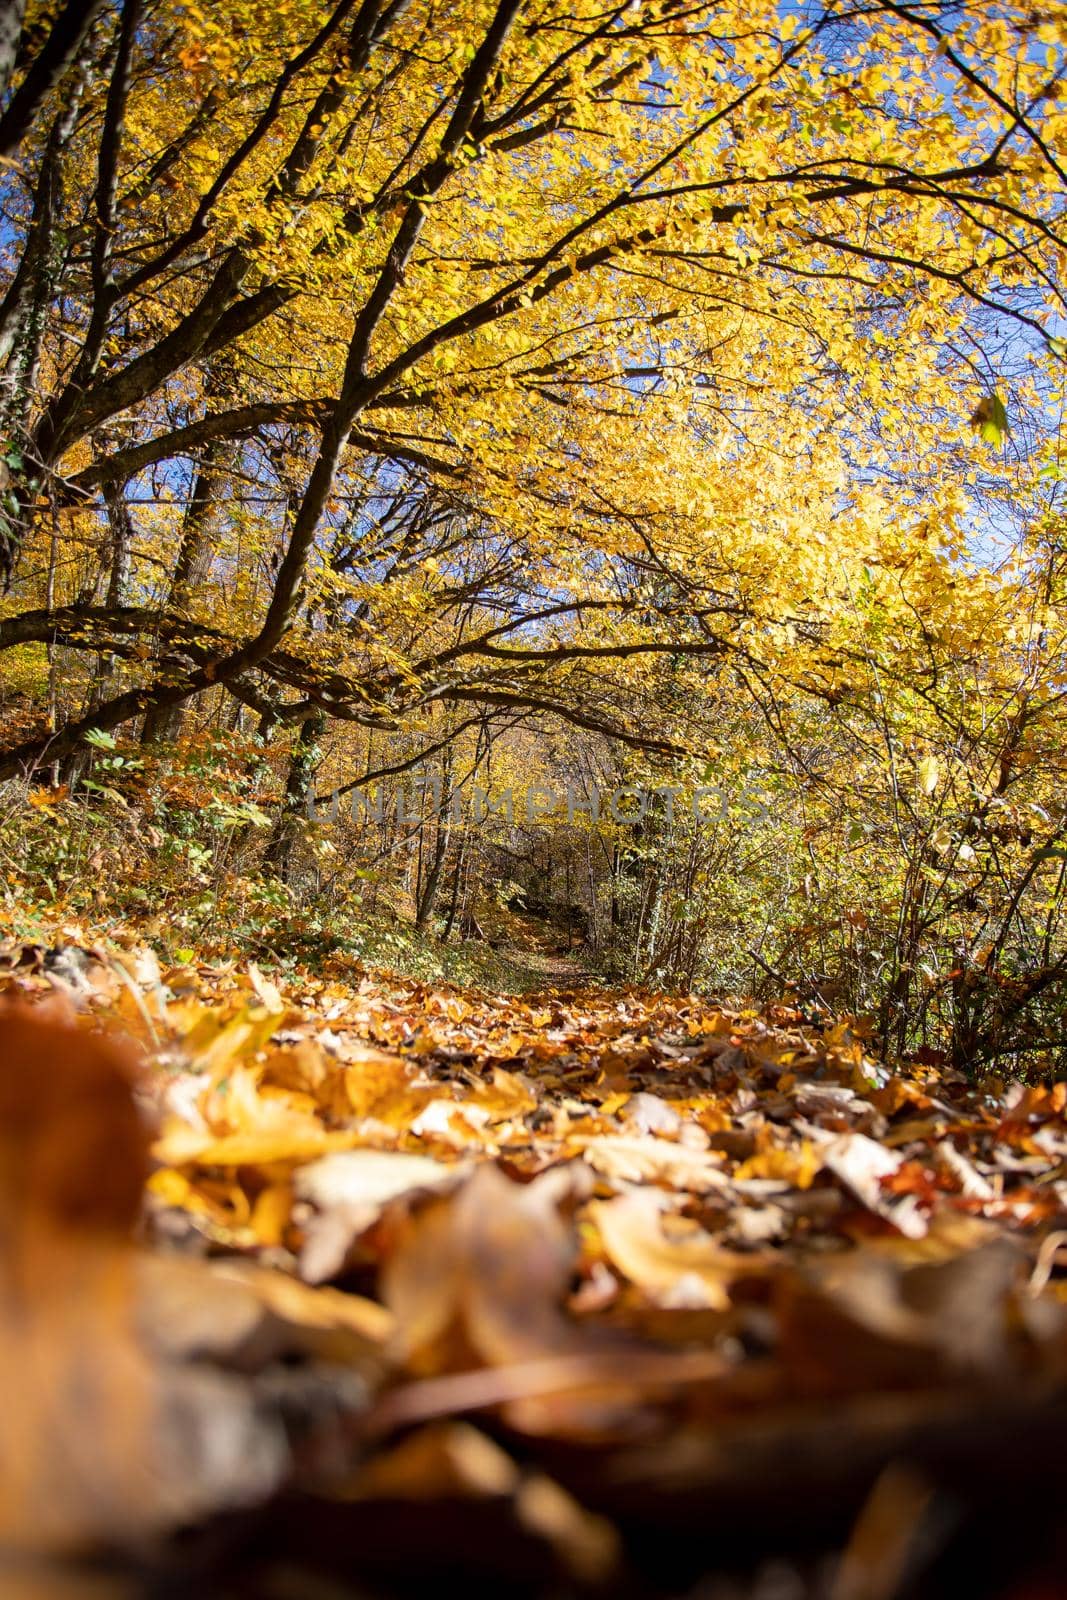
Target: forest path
(534,967)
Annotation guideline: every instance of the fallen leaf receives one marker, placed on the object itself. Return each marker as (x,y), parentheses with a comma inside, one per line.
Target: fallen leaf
(862,1165)
(369,1178)
(453,1461)
(480,1276)
(644,1158)
(798,1167)
(349,1190)
(102,1442)
(72,1144)
(686,1269)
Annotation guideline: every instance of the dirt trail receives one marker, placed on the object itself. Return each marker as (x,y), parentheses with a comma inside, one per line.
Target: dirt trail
(553,968)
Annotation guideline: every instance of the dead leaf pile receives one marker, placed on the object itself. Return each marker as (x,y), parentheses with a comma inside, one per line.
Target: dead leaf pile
(579,1265)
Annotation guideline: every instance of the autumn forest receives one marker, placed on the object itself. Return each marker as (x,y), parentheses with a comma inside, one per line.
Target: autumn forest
(533,820)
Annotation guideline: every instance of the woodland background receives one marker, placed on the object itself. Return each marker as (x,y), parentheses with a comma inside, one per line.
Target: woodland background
(662,393)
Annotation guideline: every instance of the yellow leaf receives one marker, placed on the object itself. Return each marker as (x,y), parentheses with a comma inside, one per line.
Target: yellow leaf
(929,774)
(797,1167)
(183,1147)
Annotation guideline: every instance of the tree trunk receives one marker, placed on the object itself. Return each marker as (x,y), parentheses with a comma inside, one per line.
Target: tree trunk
(117,569)
(163,724)
(303,764)
(457,884)
(432,879)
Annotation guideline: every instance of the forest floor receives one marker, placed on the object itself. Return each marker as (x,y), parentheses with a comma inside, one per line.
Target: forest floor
(345,1284)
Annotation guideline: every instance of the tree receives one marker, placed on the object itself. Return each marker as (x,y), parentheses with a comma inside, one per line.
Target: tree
(501,234)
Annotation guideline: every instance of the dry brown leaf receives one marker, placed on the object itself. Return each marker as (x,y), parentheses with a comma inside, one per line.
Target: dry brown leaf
(644,1158)
(862,1165)
(457,1122)
(267,992)
(234,1310)
(349,1190)
(100,1442)
(446,1460)
(454,1461)
(72,1144)
(495,1258)
(971,1182)
(103,1442)
(369,1178)
(213,1038)
(684,1269)
(480,1277)
(647,1113)
(873,1319)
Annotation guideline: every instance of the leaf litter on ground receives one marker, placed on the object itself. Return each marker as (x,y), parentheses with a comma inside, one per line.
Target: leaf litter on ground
(590,1262)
